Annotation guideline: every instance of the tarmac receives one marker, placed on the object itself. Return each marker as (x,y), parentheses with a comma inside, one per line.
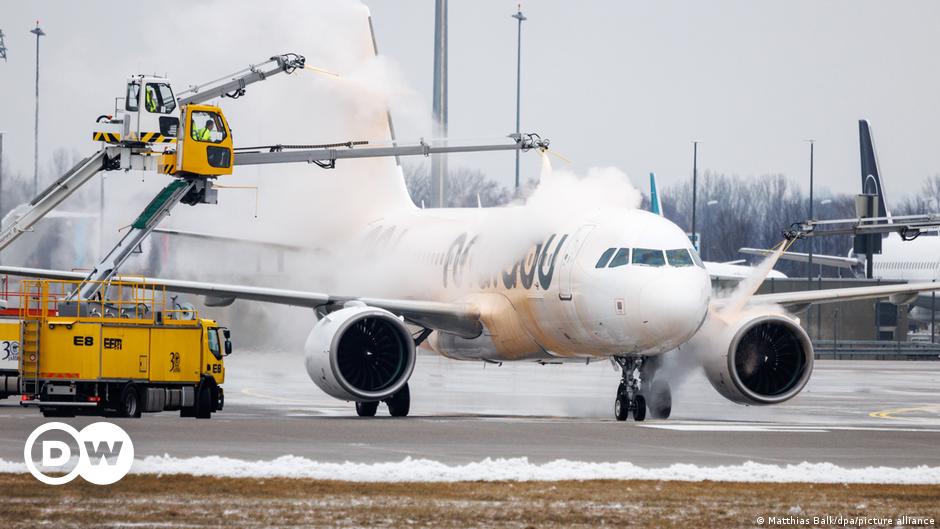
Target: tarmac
(852,414)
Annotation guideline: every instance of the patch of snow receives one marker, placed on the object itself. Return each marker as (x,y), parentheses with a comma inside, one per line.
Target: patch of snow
(517,469)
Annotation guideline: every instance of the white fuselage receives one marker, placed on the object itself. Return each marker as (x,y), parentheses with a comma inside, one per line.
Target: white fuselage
(899,260)
(543,294)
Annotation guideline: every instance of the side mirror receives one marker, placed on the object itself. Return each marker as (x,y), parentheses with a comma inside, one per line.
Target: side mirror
(226,333)
(228,347)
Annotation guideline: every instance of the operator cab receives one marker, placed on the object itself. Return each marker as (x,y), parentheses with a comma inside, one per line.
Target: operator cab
(147,114)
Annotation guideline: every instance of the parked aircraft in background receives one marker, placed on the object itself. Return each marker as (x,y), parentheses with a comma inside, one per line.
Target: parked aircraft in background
(899,260)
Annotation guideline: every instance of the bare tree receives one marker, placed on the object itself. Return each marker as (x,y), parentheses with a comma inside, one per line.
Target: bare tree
(463,187)
(735,212)
(925,201)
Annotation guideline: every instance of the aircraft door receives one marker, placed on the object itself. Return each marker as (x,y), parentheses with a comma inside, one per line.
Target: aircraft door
(568,259)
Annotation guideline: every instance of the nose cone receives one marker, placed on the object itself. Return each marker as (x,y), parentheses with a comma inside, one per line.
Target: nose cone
(673,306)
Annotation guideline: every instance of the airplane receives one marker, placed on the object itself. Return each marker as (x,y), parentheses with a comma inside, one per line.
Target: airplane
(731,270)
(513,284)
(899,260)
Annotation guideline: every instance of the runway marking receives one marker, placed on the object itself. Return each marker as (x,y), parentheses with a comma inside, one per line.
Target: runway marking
(891,414)
(794,428)
(726,427)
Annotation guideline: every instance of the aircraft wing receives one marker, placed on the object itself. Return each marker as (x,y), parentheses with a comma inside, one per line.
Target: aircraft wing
(462,319)
(201,236)
(797,301)
(822,259)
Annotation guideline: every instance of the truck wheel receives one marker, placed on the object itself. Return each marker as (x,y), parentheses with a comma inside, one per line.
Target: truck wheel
(189,411)
(220,401)
(130,402)
(400,403)
(204,401)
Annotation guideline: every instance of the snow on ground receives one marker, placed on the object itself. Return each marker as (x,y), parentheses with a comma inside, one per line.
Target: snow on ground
(516,469)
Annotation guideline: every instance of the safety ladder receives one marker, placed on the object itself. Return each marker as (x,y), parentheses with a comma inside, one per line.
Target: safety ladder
(29,355)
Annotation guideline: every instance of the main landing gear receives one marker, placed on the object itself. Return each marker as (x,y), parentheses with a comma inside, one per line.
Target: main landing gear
(398,404)
(633,397)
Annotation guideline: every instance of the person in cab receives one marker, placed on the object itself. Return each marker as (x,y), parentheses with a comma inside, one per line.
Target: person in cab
(204,133)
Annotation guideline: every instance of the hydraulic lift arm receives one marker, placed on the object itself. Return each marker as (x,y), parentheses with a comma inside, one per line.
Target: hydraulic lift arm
(908,226)
(234,85)
(22,220)
(189,191)
(325,156)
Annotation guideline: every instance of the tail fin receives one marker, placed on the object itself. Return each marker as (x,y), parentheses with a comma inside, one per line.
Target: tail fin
(655,204)
(871,176)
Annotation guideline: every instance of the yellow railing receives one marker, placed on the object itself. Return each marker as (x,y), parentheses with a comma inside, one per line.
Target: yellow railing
(125,301)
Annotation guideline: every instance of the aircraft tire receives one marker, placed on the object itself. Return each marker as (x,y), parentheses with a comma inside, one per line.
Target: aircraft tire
(660,403)
(639,408)
(400,403)
(367,409)
(621,407)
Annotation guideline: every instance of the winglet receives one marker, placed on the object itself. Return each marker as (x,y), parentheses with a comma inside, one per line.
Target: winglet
(655,204)
(871,176)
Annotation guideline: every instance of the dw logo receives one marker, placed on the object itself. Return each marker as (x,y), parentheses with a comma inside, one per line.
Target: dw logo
(105,453)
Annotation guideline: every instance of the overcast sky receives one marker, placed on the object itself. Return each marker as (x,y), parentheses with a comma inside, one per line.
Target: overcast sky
(627,84)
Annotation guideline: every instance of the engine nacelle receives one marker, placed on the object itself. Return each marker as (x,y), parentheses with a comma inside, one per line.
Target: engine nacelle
(360,353)
(759,359)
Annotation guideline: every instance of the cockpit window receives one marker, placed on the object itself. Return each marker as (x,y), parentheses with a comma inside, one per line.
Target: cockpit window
(697,259)
(605,258)
(679,257)
(645,256)
(622,258)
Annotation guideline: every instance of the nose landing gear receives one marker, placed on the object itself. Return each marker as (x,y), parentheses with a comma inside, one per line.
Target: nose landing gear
(628,398)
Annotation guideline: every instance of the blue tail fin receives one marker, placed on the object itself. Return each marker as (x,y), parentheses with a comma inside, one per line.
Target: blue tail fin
(655,204)
(871,176)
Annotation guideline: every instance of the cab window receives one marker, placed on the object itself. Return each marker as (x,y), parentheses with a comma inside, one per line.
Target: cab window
(605,258)
(133,95)
(679,257)
(158,98)
(214,344)
(648,257)
(622,258)
(206,126)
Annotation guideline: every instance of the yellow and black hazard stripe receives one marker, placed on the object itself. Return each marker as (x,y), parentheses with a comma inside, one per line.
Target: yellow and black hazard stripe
(167,168)
(109,137)
(155,137)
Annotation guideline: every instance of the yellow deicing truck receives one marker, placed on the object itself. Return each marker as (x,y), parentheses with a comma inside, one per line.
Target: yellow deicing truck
(122,353)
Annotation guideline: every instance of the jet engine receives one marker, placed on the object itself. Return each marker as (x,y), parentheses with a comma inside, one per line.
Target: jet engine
(759,359)
(360,353)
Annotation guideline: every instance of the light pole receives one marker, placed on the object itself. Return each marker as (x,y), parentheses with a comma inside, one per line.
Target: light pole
(38,32)
(520,17)
(438,198)
(809,252)
(809,258)
(695,241)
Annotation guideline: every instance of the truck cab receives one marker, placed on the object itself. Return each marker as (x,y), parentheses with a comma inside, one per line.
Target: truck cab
(217,344)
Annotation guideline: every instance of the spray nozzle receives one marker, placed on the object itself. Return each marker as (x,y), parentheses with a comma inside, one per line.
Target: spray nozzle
(796,231)
(530,140)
